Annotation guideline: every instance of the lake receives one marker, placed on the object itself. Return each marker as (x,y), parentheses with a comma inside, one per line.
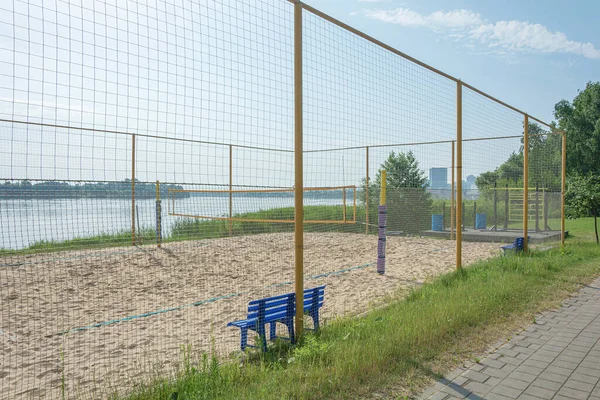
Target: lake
(26,221)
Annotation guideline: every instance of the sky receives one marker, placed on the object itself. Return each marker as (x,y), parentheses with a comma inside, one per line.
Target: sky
(182,73)
(528,53)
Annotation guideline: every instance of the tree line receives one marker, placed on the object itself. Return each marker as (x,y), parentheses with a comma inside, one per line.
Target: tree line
(104,190)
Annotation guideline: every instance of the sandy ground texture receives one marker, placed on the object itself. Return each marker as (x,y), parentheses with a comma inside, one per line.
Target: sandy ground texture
(46,294)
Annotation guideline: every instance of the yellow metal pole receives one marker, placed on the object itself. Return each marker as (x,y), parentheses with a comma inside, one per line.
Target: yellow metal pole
(383,193)
(298,180)
(158,215)
(354,204)
(452,172)
(563,188)
(459,210)
(344,207)
(525,182)
(367,195)
(133,190)
(230,190)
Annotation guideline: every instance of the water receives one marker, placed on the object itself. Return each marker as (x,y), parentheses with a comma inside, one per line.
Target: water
(26,221)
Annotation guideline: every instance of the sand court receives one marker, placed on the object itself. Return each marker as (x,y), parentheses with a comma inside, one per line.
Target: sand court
(152,303)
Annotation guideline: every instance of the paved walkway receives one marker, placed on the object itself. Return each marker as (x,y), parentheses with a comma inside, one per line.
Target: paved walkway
(556,358)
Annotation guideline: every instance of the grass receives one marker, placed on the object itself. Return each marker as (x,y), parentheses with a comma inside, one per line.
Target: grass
(91,242)
(208,229)
(199,229)
(394,350)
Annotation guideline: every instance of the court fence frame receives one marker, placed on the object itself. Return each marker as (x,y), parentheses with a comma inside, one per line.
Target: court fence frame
(299,189)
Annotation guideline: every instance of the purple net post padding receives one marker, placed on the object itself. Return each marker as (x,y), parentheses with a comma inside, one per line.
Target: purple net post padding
(381,242)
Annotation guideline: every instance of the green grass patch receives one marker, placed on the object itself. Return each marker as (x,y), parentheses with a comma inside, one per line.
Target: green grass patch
(208,229)
(102,240)
(200,229)
(410,339)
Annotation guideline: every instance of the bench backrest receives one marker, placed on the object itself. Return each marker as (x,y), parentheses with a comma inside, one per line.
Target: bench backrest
(285,304)
(313,298)
(272,306)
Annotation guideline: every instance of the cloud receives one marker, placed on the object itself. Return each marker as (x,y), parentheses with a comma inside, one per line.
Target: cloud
(374,1)
(501,36)
(524,36)
(458,19)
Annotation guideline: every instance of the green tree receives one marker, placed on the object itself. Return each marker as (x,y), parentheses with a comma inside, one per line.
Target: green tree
(581,122)
(408,201)
(583,198)
(544,164)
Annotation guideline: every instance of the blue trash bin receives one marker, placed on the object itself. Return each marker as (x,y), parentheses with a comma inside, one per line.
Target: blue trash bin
(437,222)
(480,221)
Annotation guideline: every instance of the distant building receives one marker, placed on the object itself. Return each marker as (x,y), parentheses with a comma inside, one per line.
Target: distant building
(438,178)
(470,184)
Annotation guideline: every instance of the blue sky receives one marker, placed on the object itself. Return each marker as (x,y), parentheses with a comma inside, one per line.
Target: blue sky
(522,59)
(222,71)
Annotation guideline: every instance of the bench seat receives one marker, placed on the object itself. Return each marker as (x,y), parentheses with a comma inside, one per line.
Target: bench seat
(517,246)
(276,309)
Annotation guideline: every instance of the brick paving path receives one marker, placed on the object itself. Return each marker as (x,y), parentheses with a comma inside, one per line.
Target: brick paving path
(556,358)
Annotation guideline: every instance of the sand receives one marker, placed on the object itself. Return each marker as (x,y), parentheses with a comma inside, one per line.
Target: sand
(43,295)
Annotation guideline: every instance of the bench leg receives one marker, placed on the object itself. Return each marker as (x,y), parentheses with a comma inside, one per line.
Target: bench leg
(244,339)
(290,326)
(263,337)
(315,317)
(272,333)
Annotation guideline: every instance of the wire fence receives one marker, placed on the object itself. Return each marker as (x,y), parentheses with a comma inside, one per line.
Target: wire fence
(149,171)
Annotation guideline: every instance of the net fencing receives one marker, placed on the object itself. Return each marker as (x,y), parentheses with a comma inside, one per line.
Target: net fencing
(147,181)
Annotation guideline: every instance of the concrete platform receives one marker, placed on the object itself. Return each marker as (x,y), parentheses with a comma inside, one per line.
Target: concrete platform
(500,236)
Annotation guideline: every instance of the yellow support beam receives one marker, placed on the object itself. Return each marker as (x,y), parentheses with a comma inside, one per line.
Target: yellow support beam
(459,209)
(383,192)
(563,188)
(525,182)
(230,190)
(366,193)
(158,215)
(452,206)
(298,174)
(133,239)
(289,190)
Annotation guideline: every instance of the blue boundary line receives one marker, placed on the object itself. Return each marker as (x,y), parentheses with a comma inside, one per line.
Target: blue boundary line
(201,302)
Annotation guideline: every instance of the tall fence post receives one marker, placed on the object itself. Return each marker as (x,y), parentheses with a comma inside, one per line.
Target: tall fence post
(367,193)
(344,205)
(452,203)
(545,209)
(443,215)
(133,241)
(537,207)
(525,182)
(382,224)
(158,215)
(230,190)
(495,206)
(474,215)
(506,208)
(298,179)
(459,210)
(563,188)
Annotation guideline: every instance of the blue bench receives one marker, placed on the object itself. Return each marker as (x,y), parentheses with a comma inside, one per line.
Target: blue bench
(517,246)
(276,309)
